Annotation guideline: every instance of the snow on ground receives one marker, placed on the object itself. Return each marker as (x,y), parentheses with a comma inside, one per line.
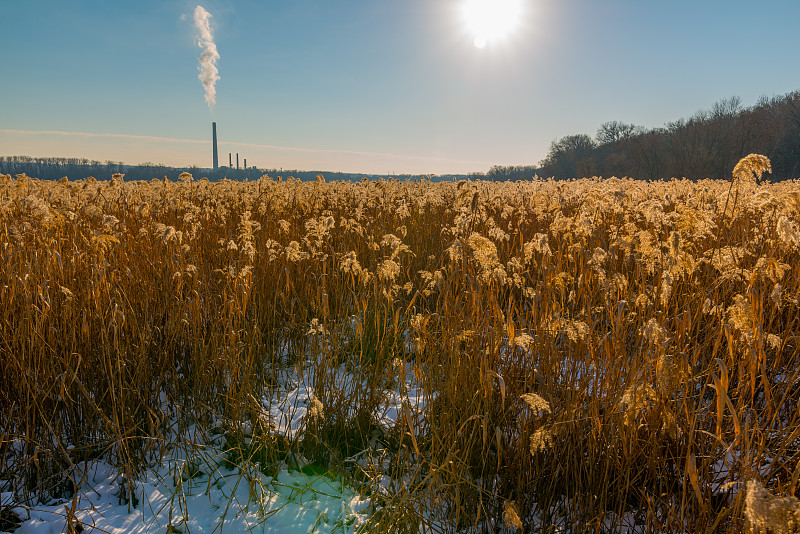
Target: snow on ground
(207,498)
(287,405)
(193,492)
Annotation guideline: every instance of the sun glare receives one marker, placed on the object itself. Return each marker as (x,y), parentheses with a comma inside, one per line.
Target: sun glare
(490,20)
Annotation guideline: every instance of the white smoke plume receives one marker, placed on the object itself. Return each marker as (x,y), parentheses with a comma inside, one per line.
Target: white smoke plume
(208,59)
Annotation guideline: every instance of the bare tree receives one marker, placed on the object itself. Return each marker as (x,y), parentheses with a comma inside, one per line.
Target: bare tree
(615,131)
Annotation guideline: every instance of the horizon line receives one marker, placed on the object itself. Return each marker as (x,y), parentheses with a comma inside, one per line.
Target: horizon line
(245,144)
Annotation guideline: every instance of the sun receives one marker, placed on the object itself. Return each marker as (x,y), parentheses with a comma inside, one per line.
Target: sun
(491,20)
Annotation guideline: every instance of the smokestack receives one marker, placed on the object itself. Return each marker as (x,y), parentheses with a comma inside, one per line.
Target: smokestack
(237,161)
(230,160)
(214,136)
(245,163)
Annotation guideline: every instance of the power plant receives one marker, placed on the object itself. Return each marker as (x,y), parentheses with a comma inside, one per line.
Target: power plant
(215,153)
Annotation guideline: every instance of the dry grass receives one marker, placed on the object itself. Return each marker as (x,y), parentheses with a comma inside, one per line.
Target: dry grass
(593,352)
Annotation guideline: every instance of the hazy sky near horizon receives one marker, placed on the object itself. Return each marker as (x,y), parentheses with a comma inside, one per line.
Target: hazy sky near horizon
(374,86)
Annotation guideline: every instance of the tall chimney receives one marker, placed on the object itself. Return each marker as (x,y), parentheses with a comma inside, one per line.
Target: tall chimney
(237,161)
(230,160)
(245,163)
(214,135)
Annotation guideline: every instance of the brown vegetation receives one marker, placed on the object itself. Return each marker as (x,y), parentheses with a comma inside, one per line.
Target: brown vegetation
(594,352)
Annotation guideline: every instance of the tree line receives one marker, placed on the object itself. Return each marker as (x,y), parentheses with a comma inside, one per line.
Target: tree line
(55,168)
(706,145)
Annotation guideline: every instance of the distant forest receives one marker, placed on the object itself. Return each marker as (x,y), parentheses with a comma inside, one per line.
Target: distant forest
(54,168)
(706,145)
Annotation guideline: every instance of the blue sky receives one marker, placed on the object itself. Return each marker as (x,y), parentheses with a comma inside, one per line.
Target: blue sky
(377,86)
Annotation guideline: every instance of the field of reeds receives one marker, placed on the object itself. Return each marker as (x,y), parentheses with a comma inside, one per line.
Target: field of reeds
(591,355)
